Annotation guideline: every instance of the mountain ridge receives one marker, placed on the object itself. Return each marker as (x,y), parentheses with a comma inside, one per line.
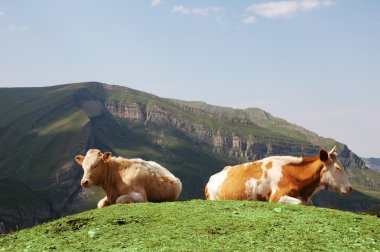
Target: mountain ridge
(372,163)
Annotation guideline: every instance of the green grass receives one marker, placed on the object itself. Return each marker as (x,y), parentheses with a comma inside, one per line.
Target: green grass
(75,119)
(202,226)
(375,210)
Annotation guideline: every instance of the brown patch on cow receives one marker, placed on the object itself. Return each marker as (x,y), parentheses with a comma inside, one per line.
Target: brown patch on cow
(300,180)
(233,187)
(265,175)
(207,194)
(269,165)
(307,160)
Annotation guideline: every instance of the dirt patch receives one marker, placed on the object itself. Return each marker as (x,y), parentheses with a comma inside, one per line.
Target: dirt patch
(70,225)
(126,221)
(217,231)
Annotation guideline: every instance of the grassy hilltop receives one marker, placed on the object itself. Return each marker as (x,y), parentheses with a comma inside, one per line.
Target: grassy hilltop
(202,225)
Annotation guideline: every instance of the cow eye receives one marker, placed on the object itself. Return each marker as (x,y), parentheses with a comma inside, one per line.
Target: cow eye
(94,166)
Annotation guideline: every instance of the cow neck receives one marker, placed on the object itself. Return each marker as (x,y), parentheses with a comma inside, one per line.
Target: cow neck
(109,181)
(306,176)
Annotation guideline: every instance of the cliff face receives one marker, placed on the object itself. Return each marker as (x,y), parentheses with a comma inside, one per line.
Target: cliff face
(220,141)
(127,110)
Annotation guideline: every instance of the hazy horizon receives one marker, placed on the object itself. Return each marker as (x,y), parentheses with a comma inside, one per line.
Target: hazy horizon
(315,63)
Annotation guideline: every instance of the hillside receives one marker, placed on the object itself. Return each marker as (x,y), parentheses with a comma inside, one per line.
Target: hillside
(200,225)
(373,163)
(42,129)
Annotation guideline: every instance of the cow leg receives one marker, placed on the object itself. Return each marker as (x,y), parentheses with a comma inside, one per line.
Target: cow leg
(309,202)
(103,202)
(290,200)
(132,197)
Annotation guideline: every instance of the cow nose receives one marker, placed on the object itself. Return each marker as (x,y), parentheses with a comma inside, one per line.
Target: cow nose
(85,183)
(349,190)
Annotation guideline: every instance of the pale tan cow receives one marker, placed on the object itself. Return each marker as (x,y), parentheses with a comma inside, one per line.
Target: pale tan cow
(280,179)
(127,180)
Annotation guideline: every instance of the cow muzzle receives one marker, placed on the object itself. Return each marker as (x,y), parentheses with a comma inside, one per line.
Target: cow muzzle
(85,183)
(347,190)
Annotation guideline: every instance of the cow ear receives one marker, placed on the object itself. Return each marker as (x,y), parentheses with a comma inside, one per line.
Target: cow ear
(79,159)
(106,156)
(323,155)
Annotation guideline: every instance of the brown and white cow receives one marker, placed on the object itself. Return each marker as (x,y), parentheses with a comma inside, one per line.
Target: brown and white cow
(280,179)
(127,180)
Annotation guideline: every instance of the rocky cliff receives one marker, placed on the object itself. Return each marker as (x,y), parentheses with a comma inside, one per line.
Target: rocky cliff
(222,141)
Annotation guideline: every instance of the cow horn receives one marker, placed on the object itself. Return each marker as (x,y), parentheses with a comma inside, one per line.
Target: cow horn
(333,151)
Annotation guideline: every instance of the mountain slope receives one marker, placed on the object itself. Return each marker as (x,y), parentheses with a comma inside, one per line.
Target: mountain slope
(201,225)
(42,129)
(373,163)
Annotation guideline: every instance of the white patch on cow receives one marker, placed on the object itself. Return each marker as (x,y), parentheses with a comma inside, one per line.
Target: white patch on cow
(132,197)
(154,167)
(159,169)
(283,160)
(275,173)
(215,183)
(250,188)
(274,176)
(263,188)
(162,171)
(252,183)
(248,164)
(290,200)
(257,187)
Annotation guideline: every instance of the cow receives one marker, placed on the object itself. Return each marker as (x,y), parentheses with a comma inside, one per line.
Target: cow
(127,180)
(284,179)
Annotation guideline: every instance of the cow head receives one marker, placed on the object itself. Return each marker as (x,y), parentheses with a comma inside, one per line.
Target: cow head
(94,165)
(334,177)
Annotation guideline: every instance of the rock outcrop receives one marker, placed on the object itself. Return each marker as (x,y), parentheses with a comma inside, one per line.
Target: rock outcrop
(219,140)
(133,111)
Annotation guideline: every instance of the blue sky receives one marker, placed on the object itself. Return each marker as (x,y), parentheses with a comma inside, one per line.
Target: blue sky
(315,63)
